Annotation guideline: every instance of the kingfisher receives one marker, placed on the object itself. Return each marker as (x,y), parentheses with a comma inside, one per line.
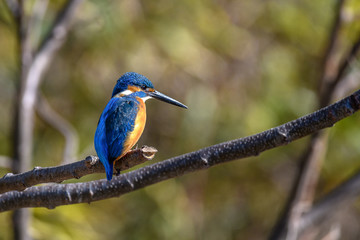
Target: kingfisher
(123,119)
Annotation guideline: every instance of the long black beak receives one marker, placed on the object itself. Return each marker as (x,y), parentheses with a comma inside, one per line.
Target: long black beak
(164,98)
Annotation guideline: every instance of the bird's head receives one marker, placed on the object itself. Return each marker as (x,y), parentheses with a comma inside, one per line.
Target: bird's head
(140,86)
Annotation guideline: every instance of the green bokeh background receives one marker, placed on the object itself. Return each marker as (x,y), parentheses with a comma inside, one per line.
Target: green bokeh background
(241,66)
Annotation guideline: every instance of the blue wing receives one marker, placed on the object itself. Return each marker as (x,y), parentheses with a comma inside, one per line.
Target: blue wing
(116,121)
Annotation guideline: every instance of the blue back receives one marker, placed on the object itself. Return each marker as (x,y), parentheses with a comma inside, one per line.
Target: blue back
(115,123)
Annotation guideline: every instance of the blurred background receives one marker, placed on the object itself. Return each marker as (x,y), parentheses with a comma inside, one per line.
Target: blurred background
(241,66)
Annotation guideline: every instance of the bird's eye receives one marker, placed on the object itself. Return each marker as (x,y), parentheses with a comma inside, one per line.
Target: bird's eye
(143,87)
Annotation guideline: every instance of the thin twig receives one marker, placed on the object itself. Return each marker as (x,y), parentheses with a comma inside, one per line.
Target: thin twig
(19,182)
(59,123)
(54,195)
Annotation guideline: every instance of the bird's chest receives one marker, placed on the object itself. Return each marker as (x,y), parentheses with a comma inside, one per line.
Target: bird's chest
(139,125)
(140,121)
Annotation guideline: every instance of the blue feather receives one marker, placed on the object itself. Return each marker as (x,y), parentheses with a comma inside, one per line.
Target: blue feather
(116,122)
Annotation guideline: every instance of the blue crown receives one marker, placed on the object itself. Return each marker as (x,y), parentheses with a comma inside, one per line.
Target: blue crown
(131,79)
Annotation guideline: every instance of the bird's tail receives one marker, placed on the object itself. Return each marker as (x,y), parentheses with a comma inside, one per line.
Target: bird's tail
(109,170)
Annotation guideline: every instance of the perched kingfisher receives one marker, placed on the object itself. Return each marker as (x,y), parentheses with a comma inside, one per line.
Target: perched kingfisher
(123,119)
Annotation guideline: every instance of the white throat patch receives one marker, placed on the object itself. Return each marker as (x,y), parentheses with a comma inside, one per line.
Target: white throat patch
(126,92)
(146,98)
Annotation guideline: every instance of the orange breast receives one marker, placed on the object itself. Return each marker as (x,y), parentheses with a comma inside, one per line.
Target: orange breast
(139,126)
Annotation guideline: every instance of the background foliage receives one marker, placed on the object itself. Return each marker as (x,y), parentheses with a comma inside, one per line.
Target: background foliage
(240,66)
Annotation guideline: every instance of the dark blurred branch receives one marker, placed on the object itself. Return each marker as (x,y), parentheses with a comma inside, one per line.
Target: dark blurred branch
(13,7)
(330,86)
(349,83)
(54,195)
(40,63)
(52,43)
(328,68)
(59,123)
(22,128)
(343,195)
(302,196)
(19,182)
(32,68)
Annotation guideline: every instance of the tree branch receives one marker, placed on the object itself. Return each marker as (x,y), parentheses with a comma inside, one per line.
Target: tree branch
(78,169)
(54,195)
